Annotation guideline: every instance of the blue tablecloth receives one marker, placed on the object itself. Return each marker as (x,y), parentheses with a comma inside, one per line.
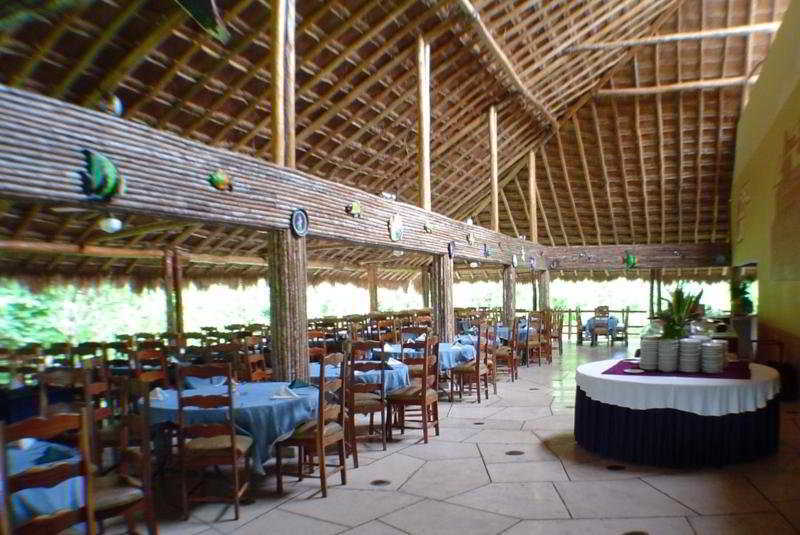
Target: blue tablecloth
(450,355)
(256,415)
(29,503)
(593,321)
(395,378)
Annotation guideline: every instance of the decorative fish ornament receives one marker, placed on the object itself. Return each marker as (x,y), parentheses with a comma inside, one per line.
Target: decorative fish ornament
(206,13)
(15,13)
(114,105)
(355,210)
(220,180)
(630,260)
(101,179)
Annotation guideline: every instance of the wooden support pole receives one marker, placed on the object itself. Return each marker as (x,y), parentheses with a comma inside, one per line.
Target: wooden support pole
(177,266)
(442,297)
(533,207)
(372,283)
(169,288)
(287,296)
(544,290)
(426,288)
(424,119)
(652,282)
(493,152)
(283,116)
(680,86)
(660,274)
(509,294)
(534,296)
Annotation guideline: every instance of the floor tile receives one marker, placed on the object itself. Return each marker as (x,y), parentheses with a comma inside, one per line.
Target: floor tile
(494,453)
(617,499)
(442,479)
(394,469)
(434,451)
(712,494)
(437,518)
(480,423)
(523,413)
(604,526)
(472,410)
(519,500)
(752,524)
(503,436)
(350,507)
(791,511)
(778,487)
(376,527)
(278,522)
(530,471)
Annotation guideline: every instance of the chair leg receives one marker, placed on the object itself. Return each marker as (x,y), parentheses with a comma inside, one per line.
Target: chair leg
(278,471)
(425,422)
(150,516)
(478,385)
(388,426)
(383,428)
(494,381)
(450,398)
(343,462)
(353,441)
(461,387)
(184,491)
(323,476)
(131,522)
(235,489)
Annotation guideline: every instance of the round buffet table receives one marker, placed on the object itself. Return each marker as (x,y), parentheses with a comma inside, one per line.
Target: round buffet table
(674,421)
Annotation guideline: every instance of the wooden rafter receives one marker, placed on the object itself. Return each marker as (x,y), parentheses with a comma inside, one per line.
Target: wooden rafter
(543,154)
(568,183)
(607,182)
(587,177)
(695,85)
(623,173)
(640,153)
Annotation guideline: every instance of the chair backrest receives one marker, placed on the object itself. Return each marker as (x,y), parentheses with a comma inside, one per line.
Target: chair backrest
(151,366)
(140,337)
(601,311)
(209,401)
(413,332)
(317,344)
(117,354)
(578,321)
(331,411)
(150,344)
(57,378)
(52,474)
(360,348)
(135,429)
(254,367)
(88,350)
(173,339)
(378,362)
(59,355)
(485,341)
(26,362)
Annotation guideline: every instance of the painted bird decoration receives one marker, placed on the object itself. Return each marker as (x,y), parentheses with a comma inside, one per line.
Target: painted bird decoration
(629,259)
(15,13)
(101,179)
(220,180)
(206,13)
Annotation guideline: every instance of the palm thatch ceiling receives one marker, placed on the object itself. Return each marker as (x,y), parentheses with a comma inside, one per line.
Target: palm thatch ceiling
(643,152)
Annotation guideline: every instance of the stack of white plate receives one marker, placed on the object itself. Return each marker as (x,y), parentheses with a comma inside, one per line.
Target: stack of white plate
(713,356)
(690,355)
(701,337)
(649,353)
(668,355)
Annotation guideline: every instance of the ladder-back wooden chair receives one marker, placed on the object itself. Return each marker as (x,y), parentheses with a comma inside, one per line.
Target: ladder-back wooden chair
(506,355)
(620,333)
(578,326)
(365,398)
(557,330)
(317,345)
(422,394)
(202,445)
(326,429)
(475,370)
(50,475)
(151,366)
(601,327)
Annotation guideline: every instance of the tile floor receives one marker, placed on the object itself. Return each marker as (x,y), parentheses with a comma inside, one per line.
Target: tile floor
(466,480)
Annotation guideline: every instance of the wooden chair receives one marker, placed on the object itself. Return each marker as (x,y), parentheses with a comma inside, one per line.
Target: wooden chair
(253,367)
(365,398)
(5,495)
(506,355)
(59,356)
(118,355)
(25,363)
(194,348)
(557,330)
(423,393)
(52,474)
(201,445)
(600,325)
(150,366)
(472,372)
(578,326)
(129,490)
(326,429)
(227,353)
(87,350)
(546,336)
(388,331)
(317,345)
(235,327)
(621,330)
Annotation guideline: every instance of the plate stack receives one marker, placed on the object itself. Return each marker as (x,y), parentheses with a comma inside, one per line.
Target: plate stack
(649,353)
(713,356)
(668,355)
(690,355)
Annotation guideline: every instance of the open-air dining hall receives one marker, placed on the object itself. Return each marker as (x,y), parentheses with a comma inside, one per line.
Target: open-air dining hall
(399,267)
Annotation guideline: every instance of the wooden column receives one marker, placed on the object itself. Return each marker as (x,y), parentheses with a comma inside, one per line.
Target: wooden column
(493,151)
(424,118)
(426,288)
(535,301)
(509,294)
(283,69)
(659,274)
(532,204)
(177,267)
(169,289)
(287,297)
(442,297)
(544,290)
(372,283)
(652,283)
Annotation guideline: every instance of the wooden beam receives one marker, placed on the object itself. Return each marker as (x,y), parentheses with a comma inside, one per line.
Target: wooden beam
(372,285)
(568,183)
(509,294)
(544,290)
(505,64)
(49,248)
(601,153)
(623,173)
(27,221)
(494,177)
(647,256)
(508,211)
(424,122)
(142,230)
(177,266)
(533,223)
(553,193)
(586,175)
(283,71)
(168,275)
(442,298)
(640,152)
(746,30)
(695,85)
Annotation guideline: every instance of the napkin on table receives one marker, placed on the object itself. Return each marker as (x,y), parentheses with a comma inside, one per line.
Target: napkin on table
(284,392)
(157,394)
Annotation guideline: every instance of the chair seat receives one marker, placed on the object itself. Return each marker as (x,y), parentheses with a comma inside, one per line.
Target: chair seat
(469,367)
(366,396)
(308,430)
(213,445)
(412,393)
(113,491)
(503,351)
(109,434)
(415,370)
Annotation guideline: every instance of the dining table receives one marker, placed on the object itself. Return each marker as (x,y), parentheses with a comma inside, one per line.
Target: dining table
(29,503)
(677,419)
(266,412)
(450,355)
(395,377)
(595,321)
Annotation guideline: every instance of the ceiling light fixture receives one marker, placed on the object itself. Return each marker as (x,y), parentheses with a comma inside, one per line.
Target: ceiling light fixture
(110,224)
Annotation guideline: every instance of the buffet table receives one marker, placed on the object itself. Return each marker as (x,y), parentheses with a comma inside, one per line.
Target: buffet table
(677,421)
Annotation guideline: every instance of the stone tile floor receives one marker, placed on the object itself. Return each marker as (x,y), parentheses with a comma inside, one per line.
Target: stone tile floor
(510,465)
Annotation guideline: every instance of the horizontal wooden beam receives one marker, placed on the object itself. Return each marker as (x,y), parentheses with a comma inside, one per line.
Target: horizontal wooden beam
(29,247)
(505,64)
(167,177)
(765,27)
(647,256)
(680,86)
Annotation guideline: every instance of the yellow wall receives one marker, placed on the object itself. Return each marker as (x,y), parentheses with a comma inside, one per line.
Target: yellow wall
(767,183)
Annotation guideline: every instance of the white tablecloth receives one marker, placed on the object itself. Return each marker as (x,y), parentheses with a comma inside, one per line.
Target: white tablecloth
(706,397)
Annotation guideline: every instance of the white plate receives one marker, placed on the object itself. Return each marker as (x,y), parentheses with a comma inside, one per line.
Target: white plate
(634,361)
(633,370)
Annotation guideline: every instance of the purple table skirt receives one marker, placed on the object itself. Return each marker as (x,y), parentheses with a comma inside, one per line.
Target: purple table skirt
(733,370)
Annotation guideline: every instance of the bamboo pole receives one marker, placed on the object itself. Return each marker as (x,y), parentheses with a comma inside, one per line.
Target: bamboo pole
(282,116)
(493,151)
(652,281)
(711,83)
(177,267)
(509,294)
(168,273)
(424,119)
(532,218)
(544,290)
(372,282)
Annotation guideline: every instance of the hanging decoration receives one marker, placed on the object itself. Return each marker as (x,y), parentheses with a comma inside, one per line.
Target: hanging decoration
(16,12)
(110,224)
(299,222)
(114,105)
(554,264)
(629,259)
(514,260)
(206,13)
(486,252)
(354,209)
(451,249)
(101,180)
(427,226)
(470,238)
(522,255)
(396,228)
(220,180)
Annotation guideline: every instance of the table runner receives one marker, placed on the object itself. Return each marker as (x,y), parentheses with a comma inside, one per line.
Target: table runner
(733,370)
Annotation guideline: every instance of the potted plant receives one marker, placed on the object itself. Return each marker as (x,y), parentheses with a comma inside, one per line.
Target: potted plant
(676,318)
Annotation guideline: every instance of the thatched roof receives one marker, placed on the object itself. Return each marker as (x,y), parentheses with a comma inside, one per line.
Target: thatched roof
(643,152)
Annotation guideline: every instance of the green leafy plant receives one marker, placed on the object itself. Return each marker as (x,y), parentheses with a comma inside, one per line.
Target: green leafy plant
(740,298)
(678,311)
